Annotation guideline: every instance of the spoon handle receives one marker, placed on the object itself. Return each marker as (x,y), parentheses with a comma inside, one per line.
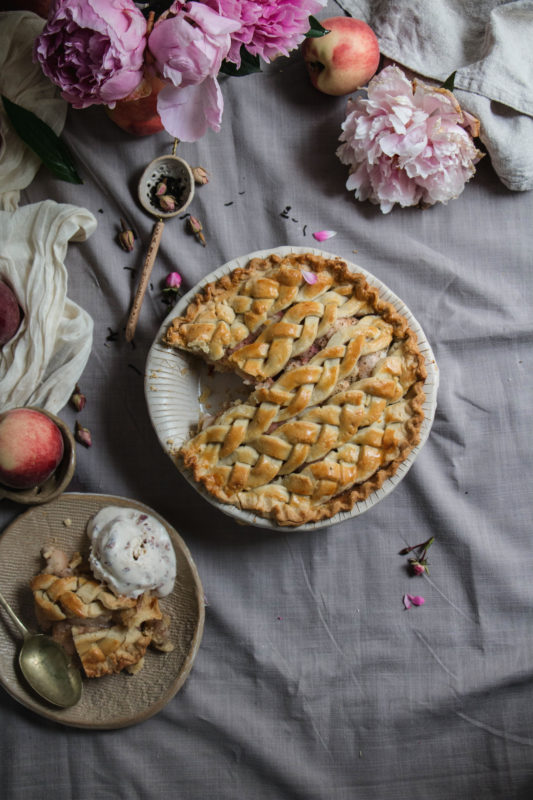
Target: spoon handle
(145,278)
(20,625)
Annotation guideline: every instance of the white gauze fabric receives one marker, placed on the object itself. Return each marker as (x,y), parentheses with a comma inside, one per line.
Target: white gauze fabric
(45,358)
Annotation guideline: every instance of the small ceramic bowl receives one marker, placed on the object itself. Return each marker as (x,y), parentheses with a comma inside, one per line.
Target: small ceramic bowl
(58,481)
(162,168)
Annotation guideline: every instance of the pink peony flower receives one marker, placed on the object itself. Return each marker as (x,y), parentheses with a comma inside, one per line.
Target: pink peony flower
(188,47)
(267,28)
(407,143)
(93,50)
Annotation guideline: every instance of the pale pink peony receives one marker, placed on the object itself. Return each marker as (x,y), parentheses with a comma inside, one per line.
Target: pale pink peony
(93,50)
(407,143)
(188,47)
(267,28)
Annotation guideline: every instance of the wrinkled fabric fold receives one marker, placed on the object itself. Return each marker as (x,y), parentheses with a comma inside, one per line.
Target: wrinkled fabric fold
(47,355)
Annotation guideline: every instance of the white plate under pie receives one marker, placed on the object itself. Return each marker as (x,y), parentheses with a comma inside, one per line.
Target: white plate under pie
(180,387)
(113,701)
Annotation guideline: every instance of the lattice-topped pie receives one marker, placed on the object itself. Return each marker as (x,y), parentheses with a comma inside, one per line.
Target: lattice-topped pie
(336,387)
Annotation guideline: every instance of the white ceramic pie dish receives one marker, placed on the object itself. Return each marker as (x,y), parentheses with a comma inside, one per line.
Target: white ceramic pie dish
(179,388)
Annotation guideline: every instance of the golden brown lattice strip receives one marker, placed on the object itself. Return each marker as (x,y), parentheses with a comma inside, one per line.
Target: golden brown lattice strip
(258,318)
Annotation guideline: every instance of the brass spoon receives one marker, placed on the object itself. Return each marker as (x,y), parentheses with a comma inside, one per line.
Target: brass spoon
(157,170)
(46,665)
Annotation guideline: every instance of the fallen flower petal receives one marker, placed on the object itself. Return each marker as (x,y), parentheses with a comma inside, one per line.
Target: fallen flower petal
(321,236)
(417,600)
(309,277)
(412,600)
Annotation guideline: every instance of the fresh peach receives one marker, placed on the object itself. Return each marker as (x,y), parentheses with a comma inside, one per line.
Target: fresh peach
(10,314)
(344,59)
(31,448)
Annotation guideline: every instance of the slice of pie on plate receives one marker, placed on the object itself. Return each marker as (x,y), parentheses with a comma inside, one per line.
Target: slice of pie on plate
(109,633)
(336,387)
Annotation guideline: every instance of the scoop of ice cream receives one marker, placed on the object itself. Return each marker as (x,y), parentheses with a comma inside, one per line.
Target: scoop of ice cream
(131,552)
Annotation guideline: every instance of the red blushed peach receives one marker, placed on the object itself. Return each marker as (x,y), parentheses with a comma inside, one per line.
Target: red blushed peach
(344,59)
(10,314)
(31,448)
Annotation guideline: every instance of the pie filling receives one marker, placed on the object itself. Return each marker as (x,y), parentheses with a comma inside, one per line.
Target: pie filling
(337,388)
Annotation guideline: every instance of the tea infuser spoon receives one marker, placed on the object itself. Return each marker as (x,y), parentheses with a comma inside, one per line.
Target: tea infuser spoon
(46,665)
(157,171)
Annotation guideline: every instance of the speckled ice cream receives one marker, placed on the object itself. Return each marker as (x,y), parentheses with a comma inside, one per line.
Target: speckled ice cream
(131,552)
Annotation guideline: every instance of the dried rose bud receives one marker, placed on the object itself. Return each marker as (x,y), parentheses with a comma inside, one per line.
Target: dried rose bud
(126,237)
(82,435)
(161,189)
(195,226)
(200,175)
(173,280)
(167,202)
(77,399)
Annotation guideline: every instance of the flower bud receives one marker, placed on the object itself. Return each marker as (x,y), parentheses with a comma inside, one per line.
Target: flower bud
(195,227)
(126,237)
(167,202)
(200,175)
(82,435)
(161,189)
(173,280)
(417,567)
(77,399)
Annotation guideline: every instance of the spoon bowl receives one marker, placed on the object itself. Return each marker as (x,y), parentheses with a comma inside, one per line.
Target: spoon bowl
(46,665)
(156,172)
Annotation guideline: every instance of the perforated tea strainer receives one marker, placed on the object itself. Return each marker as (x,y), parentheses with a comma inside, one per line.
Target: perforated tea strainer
(174,171)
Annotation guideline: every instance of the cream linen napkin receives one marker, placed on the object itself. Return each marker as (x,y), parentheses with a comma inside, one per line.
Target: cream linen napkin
(41,364)
(23,82)
(489,43)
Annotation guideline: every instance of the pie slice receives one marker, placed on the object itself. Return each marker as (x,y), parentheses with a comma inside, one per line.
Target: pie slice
(337,387)
(108,633)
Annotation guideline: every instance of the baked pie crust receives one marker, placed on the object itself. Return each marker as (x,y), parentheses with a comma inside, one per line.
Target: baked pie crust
(336,395)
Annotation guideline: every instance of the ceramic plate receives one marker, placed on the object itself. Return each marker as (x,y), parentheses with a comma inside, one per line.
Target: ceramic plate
(180,387)
(113,701)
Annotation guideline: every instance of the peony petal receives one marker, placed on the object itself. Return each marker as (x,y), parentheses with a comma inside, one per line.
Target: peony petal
(187,113)
(417,600)
(321,236)
(407,601)
(309,277)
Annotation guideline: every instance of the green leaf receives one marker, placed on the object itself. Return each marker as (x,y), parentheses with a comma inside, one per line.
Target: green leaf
(315,29)
(249,65)
(40,138)
(449,83)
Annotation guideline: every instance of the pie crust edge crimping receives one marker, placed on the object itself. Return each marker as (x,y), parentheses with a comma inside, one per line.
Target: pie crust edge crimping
(182,334)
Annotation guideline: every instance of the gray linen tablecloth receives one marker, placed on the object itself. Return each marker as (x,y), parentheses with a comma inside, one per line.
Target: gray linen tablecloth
(312,681)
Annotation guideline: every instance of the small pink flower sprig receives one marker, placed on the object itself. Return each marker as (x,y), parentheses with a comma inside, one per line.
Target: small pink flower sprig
(418,564)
